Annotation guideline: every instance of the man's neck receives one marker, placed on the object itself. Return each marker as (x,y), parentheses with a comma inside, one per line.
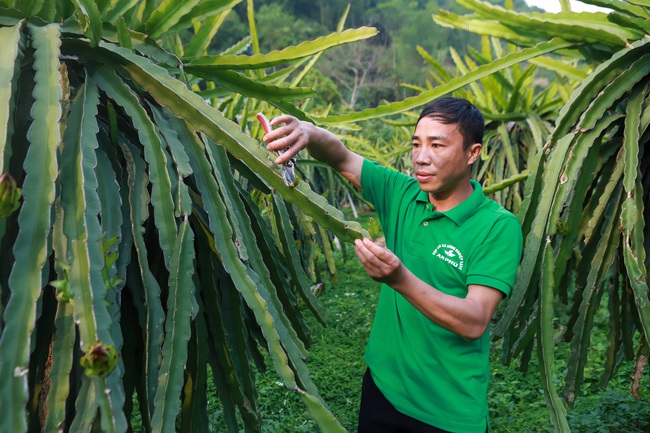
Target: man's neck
(447,201)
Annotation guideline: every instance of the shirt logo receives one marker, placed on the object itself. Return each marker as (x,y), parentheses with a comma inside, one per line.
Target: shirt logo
(449,254)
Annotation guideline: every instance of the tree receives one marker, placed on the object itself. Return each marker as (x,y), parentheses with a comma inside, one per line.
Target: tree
(358,68)
(280,28)
(138,256)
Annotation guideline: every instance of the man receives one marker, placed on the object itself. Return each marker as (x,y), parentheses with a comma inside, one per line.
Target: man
(452,255)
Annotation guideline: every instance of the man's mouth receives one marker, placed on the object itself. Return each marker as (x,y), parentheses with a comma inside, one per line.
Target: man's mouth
(423,176)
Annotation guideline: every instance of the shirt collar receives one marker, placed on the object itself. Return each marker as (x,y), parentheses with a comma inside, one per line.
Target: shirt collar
(461,212)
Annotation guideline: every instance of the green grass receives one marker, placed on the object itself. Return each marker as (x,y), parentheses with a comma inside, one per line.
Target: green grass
(335,358)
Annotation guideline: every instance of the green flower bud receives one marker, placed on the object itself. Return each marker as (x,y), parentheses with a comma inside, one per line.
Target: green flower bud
(99,360)
(562,227)
(373,229)
(9,195)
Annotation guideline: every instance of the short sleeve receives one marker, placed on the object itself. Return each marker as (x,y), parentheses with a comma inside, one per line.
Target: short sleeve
(384,187)
(495,262)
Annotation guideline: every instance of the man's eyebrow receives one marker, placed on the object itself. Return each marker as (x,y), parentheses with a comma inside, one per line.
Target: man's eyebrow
(432,137)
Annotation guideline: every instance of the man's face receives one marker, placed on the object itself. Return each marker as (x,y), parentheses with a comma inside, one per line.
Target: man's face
(440,163)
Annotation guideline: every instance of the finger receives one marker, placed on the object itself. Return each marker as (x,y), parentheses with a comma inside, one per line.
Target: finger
(289,153)
(361,255)
(294,143)
(372,246)
(380,253)
(285,130)
(275,135)
(282,119)
(367,258)
(367,264)
(361,250)
(290,145)
(271,133)
(371,269)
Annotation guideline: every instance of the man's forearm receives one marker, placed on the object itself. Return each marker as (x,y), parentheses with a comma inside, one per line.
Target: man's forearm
(467,317)
(463,316)
(328,148)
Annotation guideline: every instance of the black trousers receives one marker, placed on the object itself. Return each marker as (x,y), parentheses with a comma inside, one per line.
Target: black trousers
(378,415)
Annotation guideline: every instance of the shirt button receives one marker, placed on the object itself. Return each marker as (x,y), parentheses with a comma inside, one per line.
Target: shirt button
(426,223)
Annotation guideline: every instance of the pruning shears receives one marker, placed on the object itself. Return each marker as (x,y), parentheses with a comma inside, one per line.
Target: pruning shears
(288,174)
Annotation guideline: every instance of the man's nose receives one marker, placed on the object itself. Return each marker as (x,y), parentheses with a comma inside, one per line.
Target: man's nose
(421,157)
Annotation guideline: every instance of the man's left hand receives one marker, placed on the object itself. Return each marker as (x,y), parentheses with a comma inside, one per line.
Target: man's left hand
(381,264)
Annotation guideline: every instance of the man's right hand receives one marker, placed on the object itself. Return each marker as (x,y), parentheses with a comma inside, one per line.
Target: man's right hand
(294,135)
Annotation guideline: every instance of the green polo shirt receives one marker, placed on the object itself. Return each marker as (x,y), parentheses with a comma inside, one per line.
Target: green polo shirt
(424,370)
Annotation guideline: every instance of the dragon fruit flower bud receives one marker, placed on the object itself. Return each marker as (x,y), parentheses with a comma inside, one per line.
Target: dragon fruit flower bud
(99,360)
(9,195)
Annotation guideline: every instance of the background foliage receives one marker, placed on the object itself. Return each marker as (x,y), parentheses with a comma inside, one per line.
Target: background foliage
(390,59)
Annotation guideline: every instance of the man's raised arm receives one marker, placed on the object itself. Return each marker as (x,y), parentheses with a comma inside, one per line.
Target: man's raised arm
(295,135)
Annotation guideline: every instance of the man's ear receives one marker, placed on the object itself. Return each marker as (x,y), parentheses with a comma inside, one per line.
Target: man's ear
(473,152)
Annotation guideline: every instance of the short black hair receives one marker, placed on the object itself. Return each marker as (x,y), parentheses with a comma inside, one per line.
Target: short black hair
(471,123)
